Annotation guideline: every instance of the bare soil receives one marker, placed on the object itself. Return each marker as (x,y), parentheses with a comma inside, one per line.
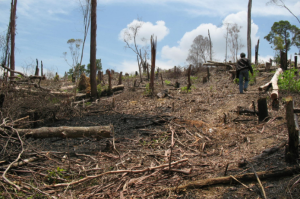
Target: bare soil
(210,139)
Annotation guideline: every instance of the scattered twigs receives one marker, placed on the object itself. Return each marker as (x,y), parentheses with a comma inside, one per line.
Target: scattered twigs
(11,164)
(241,183)
(262,188)
(114,172)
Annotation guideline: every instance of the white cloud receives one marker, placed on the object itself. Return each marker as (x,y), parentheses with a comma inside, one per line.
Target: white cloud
(147,29)
(179,53)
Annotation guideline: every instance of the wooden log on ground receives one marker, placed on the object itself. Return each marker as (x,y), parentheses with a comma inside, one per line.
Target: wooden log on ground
(262,109)
(291,150)
(289,171)
(67,132)
(273,83)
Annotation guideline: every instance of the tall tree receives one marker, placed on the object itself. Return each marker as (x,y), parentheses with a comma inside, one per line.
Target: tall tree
(199,51)
(93,49)
(280,36)
(13,34)
(249,31)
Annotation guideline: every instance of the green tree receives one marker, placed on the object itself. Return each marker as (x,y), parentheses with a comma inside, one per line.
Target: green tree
(98,66)
(280,36)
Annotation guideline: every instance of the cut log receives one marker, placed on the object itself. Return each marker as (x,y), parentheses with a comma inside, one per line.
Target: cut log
(273,83)
(244,177)
(67,132)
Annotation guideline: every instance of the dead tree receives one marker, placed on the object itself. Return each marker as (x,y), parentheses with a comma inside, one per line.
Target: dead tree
(249,31)
(283,60)
(99,77)
(42,74)
(93,49)
(189,78)
(37,68)
(13,34)
(210,47)
(153,57)
(120,79)
(256,52)
(291,150)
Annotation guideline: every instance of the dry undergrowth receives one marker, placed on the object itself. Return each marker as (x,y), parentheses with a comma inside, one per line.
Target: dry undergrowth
(152,147)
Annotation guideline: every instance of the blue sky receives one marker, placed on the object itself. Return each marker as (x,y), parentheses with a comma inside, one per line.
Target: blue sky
(44,27)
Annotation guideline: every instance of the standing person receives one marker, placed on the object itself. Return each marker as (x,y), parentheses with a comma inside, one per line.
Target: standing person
(242,70)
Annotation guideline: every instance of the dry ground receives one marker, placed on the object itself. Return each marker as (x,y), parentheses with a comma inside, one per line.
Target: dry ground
(204,136)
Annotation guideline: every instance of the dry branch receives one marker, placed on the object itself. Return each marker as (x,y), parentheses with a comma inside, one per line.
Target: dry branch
(248,177)
(67,132)
(114,172)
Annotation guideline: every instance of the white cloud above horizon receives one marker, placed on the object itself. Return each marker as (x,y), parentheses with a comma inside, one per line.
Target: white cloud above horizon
(145,31)
(179,53)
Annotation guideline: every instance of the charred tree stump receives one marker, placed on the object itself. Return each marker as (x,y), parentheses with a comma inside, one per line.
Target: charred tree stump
(120,79)
(177,84)
(175,72)
(37,68)
(162,80)
(189,78)
(109,91)
(42,73)
(148,74)
(283,60)
(291,150)
(268,66)
(208,74)
(204,79)
(262,109)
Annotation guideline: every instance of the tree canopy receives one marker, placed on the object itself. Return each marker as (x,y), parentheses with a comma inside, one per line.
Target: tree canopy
(199,51)
(283,35)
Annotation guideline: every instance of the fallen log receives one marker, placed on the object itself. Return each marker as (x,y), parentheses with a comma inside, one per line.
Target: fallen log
(248,177)
(67,132)
(273,83)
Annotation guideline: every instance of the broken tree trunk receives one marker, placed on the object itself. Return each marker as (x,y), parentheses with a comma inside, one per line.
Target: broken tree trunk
(273,83)
(120,79)
(244,177)
(67,132)
(291,150)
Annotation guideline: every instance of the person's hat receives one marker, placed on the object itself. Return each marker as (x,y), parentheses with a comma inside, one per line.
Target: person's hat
(243,55)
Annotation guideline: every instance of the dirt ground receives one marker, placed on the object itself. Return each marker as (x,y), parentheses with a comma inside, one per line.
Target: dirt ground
(203,137)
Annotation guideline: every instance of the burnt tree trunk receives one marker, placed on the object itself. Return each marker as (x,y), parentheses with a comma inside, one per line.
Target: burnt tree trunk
(283,60)
(262,109)
(93,80)
(153,57)
(249,31)
(120,79)
(291,150)
(256,52)
(42,72)
(268,66)
(189,78)
(13,34)
(37,68)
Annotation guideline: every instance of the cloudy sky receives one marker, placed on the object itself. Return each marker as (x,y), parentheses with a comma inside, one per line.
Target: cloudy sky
(44,27)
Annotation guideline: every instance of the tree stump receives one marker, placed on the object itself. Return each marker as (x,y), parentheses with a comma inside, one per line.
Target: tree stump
(291,150)
(262,109)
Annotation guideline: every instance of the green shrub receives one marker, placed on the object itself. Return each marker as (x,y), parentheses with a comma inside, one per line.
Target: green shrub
(287,80)
(148,90)
(255,73)
(167,82)
(99,89)
(56,78)
(186,89)
(194,79)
